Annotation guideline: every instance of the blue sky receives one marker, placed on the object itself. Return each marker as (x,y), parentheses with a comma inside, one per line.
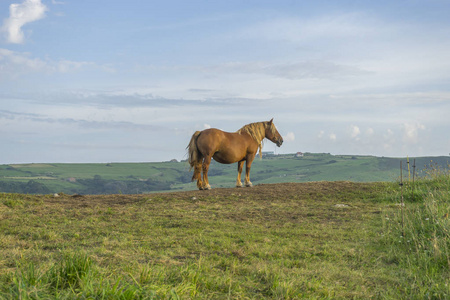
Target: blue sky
(130,81)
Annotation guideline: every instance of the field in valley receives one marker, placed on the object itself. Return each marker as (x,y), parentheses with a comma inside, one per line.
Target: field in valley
(140,178)
(318,240)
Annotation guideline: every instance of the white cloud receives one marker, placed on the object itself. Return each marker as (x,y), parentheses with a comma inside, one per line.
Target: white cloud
(65,66)
(293,70)
(355,131)
(19,15)
(289,137)
(206,126)
(389,140)
(333,137)
(389,133)
(16,60)
(14,64)
(370,132)
(321,133)
(335,26)
(411,132)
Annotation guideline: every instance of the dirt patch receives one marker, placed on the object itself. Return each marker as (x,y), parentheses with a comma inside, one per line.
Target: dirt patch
(317,202)
(262,192)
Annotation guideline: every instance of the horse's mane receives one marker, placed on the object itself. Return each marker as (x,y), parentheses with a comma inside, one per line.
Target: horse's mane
(257,131)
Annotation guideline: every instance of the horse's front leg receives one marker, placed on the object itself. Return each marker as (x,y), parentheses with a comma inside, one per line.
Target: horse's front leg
(240,168)
(205,167)
(248,165)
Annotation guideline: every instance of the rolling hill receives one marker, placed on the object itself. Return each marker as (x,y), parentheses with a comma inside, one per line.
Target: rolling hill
(138,178)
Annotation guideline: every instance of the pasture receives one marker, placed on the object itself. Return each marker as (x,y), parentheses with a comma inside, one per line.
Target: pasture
(321,240)
(139,178)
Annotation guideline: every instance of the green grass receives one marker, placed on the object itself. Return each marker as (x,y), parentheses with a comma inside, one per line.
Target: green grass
(319,240)
(417,235)
(285,241)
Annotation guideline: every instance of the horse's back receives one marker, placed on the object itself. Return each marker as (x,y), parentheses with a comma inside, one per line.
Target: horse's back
(227,147)
(212,139)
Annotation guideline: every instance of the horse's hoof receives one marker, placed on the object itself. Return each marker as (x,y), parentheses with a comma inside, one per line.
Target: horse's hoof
(249,184)
(208,187)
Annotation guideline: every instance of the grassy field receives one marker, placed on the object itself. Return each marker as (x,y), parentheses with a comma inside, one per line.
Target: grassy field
(137,178)
(319,240)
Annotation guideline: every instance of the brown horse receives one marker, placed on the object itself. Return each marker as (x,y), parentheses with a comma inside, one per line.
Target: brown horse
(227,148)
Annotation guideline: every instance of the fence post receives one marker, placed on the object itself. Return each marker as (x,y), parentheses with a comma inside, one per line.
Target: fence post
(402,203)
(414,175)
(409,170)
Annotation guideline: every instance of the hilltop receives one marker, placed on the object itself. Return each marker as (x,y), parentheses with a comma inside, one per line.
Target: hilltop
(138,178)
(271,241)
(280,241)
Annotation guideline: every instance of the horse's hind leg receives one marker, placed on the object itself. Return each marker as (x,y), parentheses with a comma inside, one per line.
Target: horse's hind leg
(198,175)
(205,168)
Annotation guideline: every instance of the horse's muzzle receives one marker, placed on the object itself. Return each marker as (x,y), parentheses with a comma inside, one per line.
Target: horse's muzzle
(279,142)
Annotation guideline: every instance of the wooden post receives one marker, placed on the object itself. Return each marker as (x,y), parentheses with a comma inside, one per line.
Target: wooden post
(402,204)
(414,175)
(409,171)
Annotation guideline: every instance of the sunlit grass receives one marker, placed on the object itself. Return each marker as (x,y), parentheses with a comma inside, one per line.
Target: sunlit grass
(417,235)
(287,241)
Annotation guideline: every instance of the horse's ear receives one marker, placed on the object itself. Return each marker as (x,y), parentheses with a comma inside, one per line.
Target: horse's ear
(270,122)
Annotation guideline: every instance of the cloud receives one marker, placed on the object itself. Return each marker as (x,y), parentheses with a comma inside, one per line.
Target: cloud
(19,15)
(389,133)
(206,126)
(15,64)
(310,69)
(11,115)
(370,132)
(355,131)
(411,132)
(16,61)
(301,30)
(81,123)
(289,137)
(333,137)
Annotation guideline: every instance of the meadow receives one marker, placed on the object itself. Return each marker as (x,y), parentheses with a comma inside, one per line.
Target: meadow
(140,178)
(318,240)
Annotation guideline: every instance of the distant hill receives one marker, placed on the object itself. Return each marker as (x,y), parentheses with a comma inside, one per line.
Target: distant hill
(137,178)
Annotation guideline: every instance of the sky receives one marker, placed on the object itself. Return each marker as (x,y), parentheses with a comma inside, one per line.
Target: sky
(131,81)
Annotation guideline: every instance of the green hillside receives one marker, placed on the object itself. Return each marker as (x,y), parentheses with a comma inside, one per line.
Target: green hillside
(137,178)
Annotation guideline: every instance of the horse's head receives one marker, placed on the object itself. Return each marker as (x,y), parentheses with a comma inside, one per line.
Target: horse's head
(272,134)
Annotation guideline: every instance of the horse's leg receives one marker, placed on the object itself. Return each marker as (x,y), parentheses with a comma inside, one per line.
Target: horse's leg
(240,168)
(198,175)
(205,167)
(248,165)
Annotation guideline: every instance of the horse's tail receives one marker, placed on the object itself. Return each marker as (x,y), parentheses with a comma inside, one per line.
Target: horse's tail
(194,155)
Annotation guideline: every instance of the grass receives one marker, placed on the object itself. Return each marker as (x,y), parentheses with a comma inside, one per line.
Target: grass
(321,240)
(417,235)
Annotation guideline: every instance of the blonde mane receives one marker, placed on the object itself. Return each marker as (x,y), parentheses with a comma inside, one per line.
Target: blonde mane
(258,132)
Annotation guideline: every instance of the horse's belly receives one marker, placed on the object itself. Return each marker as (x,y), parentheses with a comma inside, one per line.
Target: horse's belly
(227,157)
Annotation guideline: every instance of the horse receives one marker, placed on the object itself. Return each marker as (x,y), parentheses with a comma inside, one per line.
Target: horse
(227,148)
